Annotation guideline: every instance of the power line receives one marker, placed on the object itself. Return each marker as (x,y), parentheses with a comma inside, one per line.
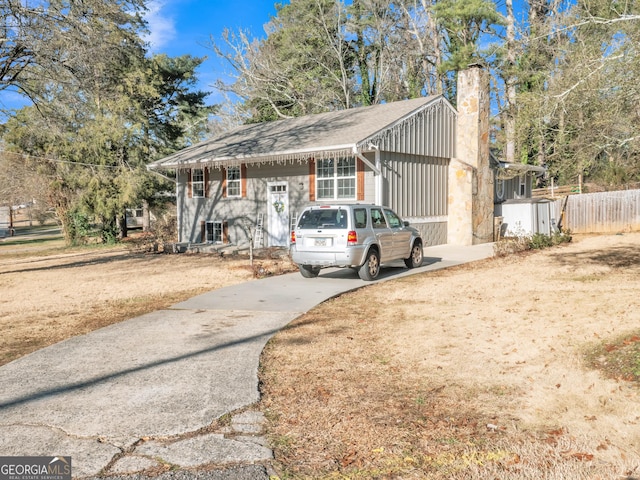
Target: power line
(58,160)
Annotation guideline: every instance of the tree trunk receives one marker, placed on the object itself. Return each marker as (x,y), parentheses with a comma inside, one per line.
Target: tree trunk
(146,216)
(510,117)
(122,225)
(437,52)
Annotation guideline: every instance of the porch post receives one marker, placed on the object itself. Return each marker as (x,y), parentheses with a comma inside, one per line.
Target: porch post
(379,183)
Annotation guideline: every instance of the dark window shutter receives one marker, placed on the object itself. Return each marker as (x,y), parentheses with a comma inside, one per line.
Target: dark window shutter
(360,179)
(189,189)
(243,179)
(225,232)
(224,183)
(312,180)
(203,232)
(206,181)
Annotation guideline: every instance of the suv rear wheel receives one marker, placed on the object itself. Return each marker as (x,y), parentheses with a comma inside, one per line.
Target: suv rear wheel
(415,259)
(307,271)
(371,267)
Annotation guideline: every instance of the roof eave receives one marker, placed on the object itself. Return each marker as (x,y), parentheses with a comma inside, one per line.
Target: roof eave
(523,167)
(274,157)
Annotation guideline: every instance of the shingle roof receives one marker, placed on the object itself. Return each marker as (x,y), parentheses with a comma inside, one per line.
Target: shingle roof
(326,134)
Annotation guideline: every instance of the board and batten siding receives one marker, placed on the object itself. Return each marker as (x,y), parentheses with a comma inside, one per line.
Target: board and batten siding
(417,189)
(431,133)
(415,155)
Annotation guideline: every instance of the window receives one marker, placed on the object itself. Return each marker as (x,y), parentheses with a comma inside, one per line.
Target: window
(360,215)
(336,179)
(377,218)
(234,183)
(323,218)
(278,188)
(215,232)
(394,220)
(522,190)
(197,182)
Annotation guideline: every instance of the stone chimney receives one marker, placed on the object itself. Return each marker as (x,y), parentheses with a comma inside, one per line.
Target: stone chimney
(470,175)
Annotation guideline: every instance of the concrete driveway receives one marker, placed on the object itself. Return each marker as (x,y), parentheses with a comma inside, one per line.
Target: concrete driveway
(143,394)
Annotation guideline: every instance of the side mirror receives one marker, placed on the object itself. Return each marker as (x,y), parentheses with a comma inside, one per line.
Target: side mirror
(406,224)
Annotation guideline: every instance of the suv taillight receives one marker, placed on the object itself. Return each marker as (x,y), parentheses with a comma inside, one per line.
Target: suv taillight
(352,238)
(293,237)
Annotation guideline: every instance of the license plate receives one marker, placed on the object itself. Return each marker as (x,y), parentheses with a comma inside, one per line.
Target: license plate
(321,242)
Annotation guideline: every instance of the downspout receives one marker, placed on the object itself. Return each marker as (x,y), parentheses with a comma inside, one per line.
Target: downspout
(378,197)
(178,215)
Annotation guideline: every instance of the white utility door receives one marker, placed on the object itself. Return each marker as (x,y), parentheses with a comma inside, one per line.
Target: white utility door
(278,217)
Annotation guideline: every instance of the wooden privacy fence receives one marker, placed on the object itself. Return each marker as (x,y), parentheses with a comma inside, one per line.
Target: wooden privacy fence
(602,212)
(556,192)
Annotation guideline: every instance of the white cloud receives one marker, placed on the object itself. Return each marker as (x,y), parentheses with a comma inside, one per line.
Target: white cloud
(162,29)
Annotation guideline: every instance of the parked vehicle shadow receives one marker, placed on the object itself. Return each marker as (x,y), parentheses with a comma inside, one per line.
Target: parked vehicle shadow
(390,270)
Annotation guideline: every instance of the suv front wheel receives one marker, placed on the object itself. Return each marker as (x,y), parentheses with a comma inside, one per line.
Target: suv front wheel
(371,267)
(415,259)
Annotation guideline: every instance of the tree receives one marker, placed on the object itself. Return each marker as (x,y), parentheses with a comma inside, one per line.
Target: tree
(18,184)
(97,150)
(369,26)
(302,66)
(44,42)
(463,23)
(419,56)
(324,55)
(578,115)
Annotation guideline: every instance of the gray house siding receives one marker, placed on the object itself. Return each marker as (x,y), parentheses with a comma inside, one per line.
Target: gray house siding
(411,143)
(513,188)
(416,187)
(431,133)
(239,215)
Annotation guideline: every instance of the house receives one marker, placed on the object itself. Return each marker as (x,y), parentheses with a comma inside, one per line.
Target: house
(516,213)
(420,157)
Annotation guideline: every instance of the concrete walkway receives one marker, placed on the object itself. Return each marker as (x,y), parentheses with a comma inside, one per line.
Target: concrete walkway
(143,394)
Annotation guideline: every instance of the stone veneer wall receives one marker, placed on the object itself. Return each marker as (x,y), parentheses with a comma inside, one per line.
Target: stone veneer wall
(470,176)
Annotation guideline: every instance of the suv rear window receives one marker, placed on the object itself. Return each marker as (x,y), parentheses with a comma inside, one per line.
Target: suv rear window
(324,218)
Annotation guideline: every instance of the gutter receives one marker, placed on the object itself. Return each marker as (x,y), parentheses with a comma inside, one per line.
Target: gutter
(523,167)
(150,169)
(271,157)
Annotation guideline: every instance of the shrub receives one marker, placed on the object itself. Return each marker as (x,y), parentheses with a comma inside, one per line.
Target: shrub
(521,242)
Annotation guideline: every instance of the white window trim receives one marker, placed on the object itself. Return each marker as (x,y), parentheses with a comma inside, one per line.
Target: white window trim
(237,183)
(335,178)
(210,226)
(197,182)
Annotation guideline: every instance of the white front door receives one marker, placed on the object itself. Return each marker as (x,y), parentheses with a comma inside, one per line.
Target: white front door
(278,217)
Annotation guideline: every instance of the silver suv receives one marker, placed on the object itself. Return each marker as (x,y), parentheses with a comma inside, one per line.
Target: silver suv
(362,237)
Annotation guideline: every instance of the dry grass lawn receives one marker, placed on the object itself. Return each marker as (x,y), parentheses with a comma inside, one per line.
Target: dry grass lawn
(54,293)
(479,371)
(472,372)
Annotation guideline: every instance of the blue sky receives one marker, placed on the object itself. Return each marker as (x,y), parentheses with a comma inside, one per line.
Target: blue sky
(180,27)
